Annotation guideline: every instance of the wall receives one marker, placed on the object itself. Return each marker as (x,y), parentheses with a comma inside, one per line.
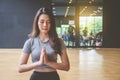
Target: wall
(16,18)
(111,23)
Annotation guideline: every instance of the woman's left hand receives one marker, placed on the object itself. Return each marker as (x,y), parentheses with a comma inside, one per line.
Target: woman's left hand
(45,58)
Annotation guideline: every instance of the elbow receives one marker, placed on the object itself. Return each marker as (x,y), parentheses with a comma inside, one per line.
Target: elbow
(67,68)
(20,70)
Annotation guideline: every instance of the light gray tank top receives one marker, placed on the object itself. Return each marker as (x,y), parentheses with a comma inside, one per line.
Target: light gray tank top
(34,46)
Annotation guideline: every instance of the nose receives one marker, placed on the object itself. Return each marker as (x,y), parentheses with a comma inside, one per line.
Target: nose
(45,24)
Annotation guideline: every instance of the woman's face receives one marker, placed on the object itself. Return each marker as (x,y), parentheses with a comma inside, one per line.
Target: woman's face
(44,23)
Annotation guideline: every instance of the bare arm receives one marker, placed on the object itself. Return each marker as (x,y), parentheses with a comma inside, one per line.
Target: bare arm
(64,65)
(23,66)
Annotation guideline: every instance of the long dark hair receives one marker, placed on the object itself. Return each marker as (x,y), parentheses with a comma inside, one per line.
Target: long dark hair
(53,37)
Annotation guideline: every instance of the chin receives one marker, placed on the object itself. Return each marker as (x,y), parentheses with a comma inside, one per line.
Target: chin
(45,32)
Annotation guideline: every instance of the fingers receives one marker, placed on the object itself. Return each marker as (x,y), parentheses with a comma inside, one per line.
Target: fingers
(45,58)
(43,51)
(42,55)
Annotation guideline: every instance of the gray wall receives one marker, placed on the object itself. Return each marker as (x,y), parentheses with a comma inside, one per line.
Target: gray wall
(16,18)
(111,23)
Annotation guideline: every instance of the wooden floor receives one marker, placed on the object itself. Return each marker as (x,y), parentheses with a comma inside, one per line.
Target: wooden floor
(86,64)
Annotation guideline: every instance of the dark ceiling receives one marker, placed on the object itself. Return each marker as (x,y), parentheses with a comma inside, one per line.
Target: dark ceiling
(86,7)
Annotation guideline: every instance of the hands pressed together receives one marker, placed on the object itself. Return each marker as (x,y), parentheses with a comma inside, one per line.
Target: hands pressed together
(63,65)
(43,56)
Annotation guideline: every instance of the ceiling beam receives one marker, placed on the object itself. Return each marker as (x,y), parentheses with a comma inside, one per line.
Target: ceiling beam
(81,4)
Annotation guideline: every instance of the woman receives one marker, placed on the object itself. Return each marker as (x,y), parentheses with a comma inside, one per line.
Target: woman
(44,46)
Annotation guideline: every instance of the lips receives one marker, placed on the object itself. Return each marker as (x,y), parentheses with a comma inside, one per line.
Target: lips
(45,29)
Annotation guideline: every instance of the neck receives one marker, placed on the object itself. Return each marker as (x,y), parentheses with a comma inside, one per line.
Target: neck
(44,37)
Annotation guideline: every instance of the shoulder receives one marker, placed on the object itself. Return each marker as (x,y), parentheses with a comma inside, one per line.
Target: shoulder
(31,40)
(28,44)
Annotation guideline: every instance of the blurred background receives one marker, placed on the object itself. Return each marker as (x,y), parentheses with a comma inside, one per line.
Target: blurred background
(80,23)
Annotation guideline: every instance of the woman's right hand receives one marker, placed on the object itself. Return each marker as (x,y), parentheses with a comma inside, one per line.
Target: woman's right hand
(41,61)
